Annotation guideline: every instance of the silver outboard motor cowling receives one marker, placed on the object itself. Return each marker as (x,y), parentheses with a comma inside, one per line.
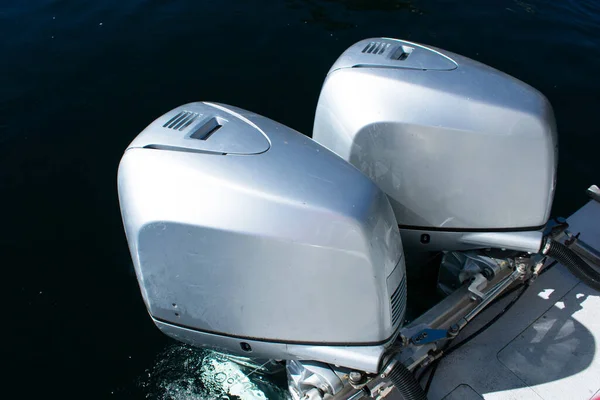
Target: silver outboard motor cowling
(466,153)
(251,238)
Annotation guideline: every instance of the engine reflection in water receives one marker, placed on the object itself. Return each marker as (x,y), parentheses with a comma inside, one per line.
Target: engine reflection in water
(183,372)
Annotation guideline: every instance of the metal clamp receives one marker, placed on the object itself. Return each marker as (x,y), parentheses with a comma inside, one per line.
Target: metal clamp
(429,336)
(489,297)
(477,285)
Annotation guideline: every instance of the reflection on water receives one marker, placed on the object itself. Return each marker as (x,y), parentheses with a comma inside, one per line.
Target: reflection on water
(362,5)
(330,13)
(183,372)
(525,6)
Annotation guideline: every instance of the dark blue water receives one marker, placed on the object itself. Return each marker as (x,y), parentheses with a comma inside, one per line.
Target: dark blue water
(79,79)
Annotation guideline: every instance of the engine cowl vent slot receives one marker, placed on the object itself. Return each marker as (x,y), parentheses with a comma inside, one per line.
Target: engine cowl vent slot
(398,302)
(376,48)
(207,129)
(401,53)
(181,121)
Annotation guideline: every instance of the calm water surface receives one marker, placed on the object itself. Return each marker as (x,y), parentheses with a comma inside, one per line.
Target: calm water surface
(80,79)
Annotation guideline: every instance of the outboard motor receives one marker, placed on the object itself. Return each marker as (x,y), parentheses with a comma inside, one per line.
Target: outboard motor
(249,237)
(466,153)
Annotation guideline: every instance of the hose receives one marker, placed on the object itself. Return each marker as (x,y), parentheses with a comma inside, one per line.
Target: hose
(406,383)
(573,262)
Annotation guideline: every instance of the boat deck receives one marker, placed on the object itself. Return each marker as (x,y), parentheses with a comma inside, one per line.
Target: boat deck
(546,347)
